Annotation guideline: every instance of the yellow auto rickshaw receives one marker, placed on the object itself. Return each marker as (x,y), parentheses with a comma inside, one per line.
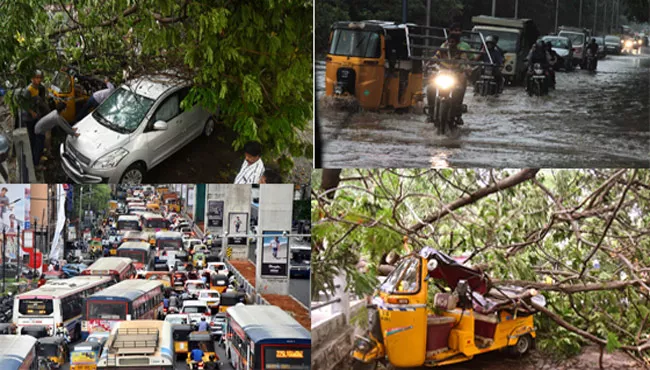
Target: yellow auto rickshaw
(469,317)
(95,246)
(372,61)
(72,89)
(153,207)
(54,349)
(198,260)
(229,299)
(85,355)
(203,341)
(180,335)
(218,282)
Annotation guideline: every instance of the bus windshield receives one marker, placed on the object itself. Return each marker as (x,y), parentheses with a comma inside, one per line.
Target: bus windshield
(35,307)
(169,244)
(106,310)
(128,225)
(137,256)
(508,41)
(287,358)
(156,223)
(355,43)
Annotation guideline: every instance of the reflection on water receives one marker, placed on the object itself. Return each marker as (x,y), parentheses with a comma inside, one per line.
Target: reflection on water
(591,120)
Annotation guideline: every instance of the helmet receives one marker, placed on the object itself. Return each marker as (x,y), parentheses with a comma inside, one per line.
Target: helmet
(593,41)
(38,73)
(203,318)
(490,39)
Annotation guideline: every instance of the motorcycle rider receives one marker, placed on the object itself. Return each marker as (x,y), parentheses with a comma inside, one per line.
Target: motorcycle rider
(62,331)
(554,58)
(497,59)
(455,53)
(537,54)
(593,49)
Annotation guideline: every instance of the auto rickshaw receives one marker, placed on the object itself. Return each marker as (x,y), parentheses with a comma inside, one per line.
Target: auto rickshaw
(36,331)
(408,331)
(198,260)
(203,341)
(180,335)
(95,246)
(53,348)
(178,281)
(372,61)
(229,299)
(85,355)
(72,89)
(218,282)
(162,276)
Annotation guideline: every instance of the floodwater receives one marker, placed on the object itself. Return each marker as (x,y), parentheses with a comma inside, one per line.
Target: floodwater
(590,120)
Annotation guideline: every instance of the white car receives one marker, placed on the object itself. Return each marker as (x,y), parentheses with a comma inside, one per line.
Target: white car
(176,318)
(218,267)
(191,241)
(210,297)
(192,287)
(135,129)
(194,310)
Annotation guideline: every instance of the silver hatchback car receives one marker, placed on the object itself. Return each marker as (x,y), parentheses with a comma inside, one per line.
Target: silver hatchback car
(134,130)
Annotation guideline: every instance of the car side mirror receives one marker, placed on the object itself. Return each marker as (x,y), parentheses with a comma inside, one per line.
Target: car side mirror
(160,126)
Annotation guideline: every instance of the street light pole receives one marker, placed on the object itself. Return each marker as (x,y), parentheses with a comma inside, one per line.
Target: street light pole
(516,9)
(494,8)
(580,15)
(35,244)
(604,17)
(595,15)
(19,256)
(428,20)
(557,9)
(405,5)
(4,258)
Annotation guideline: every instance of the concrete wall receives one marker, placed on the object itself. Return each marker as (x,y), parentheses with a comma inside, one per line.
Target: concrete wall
(332,340)
(275,213)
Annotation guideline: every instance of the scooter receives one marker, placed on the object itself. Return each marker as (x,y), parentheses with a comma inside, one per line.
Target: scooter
(442,108)
(487,84)
(538,81)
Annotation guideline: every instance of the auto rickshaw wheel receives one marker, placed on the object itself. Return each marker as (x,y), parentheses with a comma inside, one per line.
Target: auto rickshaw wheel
(208,129)
(358,365)
(523,345)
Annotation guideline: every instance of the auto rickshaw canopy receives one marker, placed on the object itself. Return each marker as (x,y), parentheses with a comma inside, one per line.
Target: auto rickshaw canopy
(36,331)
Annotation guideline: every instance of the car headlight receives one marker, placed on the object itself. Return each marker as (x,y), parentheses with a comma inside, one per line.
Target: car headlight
(444,82)
(111,159)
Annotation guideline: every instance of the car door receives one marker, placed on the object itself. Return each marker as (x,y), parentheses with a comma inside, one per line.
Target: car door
(189,118)
(163,143)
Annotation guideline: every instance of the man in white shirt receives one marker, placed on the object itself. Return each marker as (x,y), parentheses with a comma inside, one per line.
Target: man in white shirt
(252,169)
(96,99)
(274,244)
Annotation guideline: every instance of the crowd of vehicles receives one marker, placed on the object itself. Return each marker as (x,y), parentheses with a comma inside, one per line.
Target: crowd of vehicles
(147,297)
(390,66)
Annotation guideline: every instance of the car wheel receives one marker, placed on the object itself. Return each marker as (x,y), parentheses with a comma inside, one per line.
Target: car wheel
(133,175)
(208,129)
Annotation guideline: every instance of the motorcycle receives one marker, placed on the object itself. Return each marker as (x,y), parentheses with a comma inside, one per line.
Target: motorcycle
(538,81)
(591,61)
(441,109)
(487,83)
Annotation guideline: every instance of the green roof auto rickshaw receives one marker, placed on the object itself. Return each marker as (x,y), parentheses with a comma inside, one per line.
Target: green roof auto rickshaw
(180,335)
(54,349)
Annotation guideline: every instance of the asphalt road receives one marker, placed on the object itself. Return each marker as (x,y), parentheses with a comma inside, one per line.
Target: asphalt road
(299,289)
(591,120)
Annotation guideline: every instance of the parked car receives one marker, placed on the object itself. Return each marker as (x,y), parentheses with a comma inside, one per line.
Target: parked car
(134,130)
(73,269)
(612,44)
(564,49)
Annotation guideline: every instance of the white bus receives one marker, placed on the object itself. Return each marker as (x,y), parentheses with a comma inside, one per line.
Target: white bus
(58,301)
(139,344)
(128,223)
(18,352)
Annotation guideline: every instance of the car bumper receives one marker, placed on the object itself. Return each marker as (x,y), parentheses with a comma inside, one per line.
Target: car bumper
(83,174)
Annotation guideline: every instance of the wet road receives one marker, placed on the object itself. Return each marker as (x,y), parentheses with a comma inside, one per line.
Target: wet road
(590,120)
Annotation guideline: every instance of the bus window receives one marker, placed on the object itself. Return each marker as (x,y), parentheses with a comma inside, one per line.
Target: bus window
(136,256)
(107,310)
(35,307)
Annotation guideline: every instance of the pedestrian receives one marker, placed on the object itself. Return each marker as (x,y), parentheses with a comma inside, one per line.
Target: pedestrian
(34,105)
(211,364)
(253,167)
(270,177)
(203,324)
(45,125)
(41,281)
(96,99)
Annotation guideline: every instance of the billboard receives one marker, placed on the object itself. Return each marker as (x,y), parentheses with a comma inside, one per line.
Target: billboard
(275,254)
(237,225)
(215,214)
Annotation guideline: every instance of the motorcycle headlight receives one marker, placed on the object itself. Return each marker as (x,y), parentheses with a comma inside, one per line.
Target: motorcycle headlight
(444,82)
(629,44)
(538,71)
(111,159)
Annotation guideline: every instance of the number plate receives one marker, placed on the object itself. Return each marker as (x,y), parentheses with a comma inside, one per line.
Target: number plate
(384,315)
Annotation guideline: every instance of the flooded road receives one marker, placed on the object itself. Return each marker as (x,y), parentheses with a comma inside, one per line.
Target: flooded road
(590,120)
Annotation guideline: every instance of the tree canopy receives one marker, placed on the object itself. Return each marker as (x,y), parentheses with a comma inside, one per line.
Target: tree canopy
(581,237)
(252,59)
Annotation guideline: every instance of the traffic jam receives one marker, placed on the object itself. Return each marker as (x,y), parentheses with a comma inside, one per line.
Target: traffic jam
(144,289)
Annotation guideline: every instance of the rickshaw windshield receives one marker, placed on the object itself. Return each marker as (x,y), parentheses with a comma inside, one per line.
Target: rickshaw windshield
(83,356)
(48,350)
(355,43)
(405,279)
(62,83)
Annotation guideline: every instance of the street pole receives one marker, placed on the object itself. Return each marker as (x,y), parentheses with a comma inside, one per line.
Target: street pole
(81,194)
(428,20)
(516,9)
(604,17)
(494,8)
(404,10)
(580,15)
(557,9)
(595,15)
(35,244)
(611,22)
(19,256)
(4,258)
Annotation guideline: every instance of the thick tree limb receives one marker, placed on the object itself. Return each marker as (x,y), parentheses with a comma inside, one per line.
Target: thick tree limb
(572,288)
(508,182)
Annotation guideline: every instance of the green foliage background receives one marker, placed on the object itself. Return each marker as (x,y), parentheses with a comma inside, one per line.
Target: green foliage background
(250,58)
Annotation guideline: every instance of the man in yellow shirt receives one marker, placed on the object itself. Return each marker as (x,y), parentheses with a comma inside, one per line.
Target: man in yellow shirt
(453,52)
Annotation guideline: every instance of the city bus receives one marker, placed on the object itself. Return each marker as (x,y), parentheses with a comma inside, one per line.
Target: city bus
(18,352)
(139,252)
(266,337)
(168,244)
(153,222)
(139,345)
(58,301)
(119,268)
(128,223)
(127,300)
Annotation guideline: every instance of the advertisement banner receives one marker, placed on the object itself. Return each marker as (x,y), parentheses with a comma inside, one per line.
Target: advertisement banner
(56,253)
(275,254)
(28,208)
(237,225)
(215,215)
(12,207)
